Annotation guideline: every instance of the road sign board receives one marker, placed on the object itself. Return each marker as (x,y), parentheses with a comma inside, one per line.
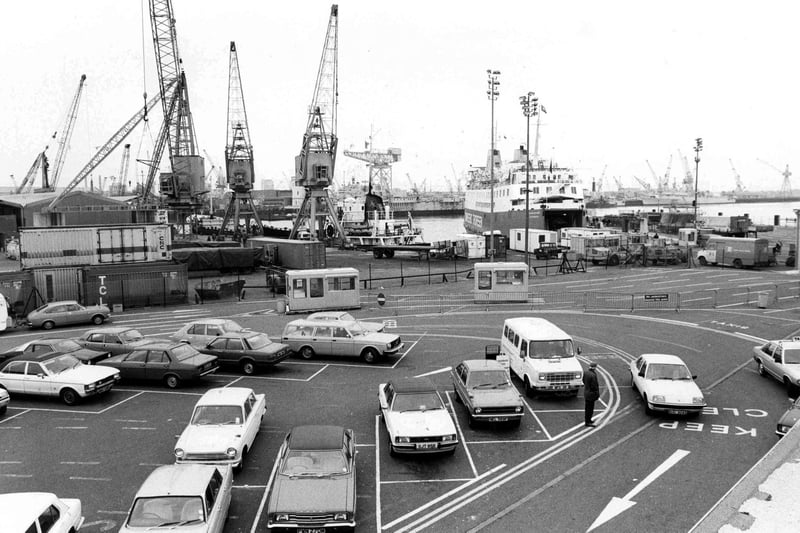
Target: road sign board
(381,299)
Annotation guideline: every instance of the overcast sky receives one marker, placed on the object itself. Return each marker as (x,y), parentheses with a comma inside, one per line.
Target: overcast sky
(623,82)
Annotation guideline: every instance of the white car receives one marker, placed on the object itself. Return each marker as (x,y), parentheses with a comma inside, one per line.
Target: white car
(39,511)
(416,417)
(346,317)
(200,332)
(666,385)
(781,360)
(224,424)
(5,398)
(182,498)
(56,374)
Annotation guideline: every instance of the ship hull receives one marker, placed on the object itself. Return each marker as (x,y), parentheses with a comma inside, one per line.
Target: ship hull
(545,219)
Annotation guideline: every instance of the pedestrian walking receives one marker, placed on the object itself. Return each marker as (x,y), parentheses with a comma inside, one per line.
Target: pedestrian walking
(591,393)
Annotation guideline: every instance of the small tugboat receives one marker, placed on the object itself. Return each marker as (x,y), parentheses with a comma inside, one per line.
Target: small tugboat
(370,222)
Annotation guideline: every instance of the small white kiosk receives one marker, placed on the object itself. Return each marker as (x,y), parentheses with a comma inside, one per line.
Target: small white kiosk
(322,288)
(501,282)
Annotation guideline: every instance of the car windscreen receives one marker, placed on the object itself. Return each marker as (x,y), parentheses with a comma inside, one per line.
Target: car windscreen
(418,401)
(791,356)
(61,363)
(667,371)
(67,345)
(207,415)
(259,341)
(489,379)
(131,336)
(550,349)
(164,511)
(183,352)
(314,463)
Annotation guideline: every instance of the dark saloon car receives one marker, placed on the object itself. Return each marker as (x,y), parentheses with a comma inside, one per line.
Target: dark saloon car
(41,346)
(116,339)
(247,350)
(314,485)
(170,362)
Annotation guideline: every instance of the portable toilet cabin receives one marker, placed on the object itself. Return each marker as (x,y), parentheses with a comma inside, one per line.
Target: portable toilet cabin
(501,282)
(322,288)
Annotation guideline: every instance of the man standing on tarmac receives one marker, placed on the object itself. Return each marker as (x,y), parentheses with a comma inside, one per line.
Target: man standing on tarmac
(591,393)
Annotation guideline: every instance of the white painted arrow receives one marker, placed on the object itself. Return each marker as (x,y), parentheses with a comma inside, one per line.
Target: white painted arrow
(619,505)
(445,369)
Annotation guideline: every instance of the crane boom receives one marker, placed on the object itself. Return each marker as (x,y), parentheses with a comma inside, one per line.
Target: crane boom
(30,177)
(63,142)
(123,169)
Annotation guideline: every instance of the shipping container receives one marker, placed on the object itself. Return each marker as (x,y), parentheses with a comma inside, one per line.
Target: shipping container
(516,238)
(55,284)
(65,246)
(136,285)
(18,290)
(292,253)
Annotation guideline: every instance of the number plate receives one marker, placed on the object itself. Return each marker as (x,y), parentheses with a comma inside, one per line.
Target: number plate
(678,412)
(498,419)
(557,387)
(311,530)
(426,445)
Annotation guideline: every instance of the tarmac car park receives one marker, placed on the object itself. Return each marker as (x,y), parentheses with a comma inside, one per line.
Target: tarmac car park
(498,475)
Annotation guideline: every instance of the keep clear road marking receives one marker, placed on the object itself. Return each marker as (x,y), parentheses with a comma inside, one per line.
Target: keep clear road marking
(619,505)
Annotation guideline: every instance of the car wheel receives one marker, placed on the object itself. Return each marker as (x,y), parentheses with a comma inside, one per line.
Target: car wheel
(69,396)
(614,260)
(307,352)
(172,381)
(529,392)
(98,319)
(248,367)
(48,324)
(370,355)
(737,263)
(702,260)
(761,370)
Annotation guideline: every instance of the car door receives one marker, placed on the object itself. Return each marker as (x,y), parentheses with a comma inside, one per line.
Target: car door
(385,397)
(196,335)
(38,380)
(218,347)
(638,377)
(158,362)
(234,349)
(342,342)
(57,314)
(321,340)
(218,500)
(769,358)
(461,377)
(75,314)
(96,341)
(13,376)
(133,366)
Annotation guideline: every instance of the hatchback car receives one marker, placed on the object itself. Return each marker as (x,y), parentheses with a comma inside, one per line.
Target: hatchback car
(346,317)
(65,313)
(42,346)
(416,417)
(789,418)
(224,424)
(247,350)
(56,374)
(313,487)
(781,360)
(33,512)
(170,362)
(338,338)
(485,389)
(182,497)
(200,332)
(665,384)
(114,340)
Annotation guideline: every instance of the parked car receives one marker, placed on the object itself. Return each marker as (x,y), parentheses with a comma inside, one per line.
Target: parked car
(335,337)
(314,485)
(485,389)
(115,340)
(200,332)
(170,362)
(346,317)
(5,399)
(781,360)
(247,350)
(42,346)
(416,417)
(34,512)
(182,497)
(789,418)
(224,424)
(67,312)
(56,374)
(666,385)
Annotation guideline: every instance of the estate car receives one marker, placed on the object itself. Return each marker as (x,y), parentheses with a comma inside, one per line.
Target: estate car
(338,338)
(346,317)
(484,387)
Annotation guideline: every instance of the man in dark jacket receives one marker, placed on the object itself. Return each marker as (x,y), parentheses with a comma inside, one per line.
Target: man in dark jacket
(591,393)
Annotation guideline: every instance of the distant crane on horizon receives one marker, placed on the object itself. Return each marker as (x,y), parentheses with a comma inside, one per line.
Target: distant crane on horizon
(786,186)
(737,177)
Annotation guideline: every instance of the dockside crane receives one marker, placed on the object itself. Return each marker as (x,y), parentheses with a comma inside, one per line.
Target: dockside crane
(315,164)
(737,177)
(238,154)
(688,179)
(63,140)
(40,163)
(379,163)
(786,186)
(120,184)
(666,174)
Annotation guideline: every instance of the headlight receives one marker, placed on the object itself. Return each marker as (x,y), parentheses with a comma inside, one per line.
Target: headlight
(577,375)
(518,409)
(402,439)
(541,377)
(477,410)
(179,453)
(281,517)
(698,400)
(231,452)
(90,388)
(388,345)
(449,437)
(340,516)
(658,398)
(782,428)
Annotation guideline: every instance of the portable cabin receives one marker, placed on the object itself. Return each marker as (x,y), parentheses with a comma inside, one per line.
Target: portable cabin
(501,282)
(322,288)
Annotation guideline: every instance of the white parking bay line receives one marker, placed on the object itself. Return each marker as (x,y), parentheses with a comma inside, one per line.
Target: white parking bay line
(72,427)
(79,478)
(80,462)
(463,440)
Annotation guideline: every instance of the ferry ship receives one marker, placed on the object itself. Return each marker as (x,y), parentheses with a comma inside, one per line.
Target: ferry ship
(556,199)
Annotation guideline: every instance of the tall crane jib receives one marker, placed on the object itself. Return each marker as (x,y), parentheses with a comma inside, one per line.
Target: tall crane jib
(63,141)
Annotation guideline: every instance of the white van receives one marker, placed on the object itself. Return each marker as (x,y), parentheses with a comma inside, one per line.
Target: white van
(542,355)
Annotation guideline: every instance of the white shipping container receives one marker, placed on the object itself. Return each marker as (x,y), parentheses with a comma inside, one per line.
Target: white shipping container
(474,245)
(94,245)
(516,238)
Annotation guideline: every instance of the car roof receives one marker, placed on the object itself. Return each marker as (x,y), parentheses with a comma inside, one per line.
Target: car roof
(110,329)
(333,315)
(19,509)
(662,358)
(322,322)
(790,343)
(483,364)
(225,395)
(239,334)
(38,357)
(216,321)
(316,438)
(412,385)
(61,302)
(162,343)
(177,479)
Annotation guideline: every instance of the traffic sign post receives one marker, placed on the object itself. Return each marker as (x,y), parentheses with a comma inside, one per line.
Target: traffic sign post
(381,299)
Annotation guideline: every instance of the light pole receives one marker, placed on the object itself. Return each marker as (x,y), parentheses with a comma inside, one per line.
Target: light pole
(493,92)
(530,107)
(698,147)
